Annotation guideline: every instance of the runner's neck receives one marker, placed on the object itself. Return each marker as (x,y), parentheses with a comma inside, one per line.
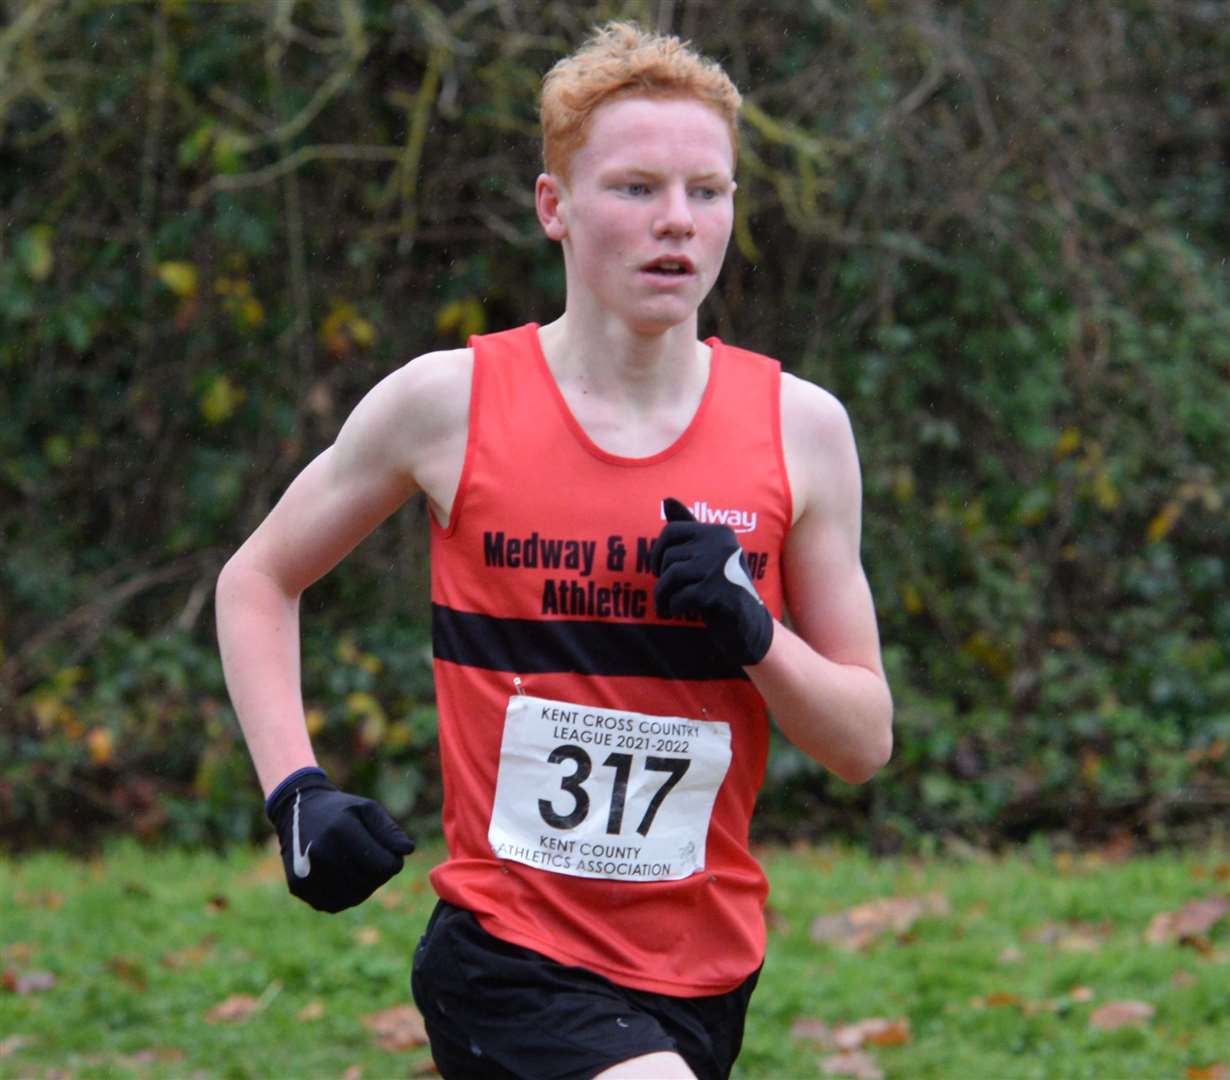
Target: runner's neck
(632,396)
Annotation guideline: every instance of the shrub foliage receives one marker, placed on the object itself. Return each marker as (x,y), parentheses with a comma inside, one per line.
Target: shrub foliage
(996,229)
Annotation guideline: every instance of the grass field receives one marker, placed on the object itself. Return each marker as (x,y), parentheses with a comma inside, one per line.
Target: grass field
(187,965)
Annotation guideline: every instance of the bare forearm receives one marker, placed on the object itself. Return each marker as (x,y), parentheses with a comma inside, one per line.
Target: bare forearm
(838,714)
(258,637)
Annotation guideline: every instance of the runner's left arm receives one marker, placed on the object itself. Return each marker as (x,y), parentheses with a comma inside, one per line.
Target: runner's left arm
(824,679)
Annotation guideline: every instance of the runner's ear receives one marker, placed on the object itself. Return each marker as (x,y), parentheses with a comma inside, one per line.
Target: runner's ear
(675,510)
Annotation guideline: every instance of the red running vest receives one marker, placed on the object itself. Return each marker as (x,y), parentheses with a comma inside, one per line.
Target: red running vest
(541,586)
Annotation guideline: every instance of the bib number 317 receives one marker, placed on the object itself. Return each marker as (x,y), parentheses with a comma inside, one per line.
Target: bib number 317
(606,793)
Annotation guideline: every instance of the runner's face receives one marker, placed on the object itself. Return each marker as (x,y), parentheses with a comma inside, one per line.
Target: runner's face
(647,216)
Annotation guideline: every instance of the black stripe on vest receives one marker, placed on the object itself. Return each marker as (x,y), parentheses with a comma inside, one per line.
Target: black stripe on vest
(581,647)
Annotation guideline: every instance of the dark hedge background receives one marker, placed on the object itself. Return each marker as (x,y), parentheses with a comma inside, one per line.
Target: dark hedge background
(997,229)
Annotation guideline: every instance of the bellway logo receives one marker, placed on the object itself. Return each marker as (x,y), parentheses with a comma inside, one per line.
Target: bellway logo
(740,521)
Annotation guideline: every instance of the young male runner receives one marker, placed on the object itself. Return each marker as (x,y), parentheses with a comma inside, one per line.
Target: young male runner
(620,513)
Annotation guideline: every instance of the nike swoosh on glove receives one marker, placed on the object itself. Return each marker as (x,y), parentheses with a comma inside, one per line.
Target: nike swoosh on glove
(337,849)
(701,570)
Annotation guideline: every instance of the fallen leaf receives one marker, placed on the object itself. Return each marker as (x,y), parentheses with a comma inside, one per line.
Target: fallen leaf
(355,1072)
(426,1067)
(234,1010)
(856,1064)
(1192,920)
(217,903)
(1072,936)
(313,1010)
(1183,978)
(398,1028)
(192,956)
(50,900)
(1117,1014)
(10,1046)
(20,952)
(1081,993)
(367,935)
(875,1031)
(817,1031)
(128,971)
(1217,1071)
(857,927)
(1011,954)
(156,1055)
(28,982)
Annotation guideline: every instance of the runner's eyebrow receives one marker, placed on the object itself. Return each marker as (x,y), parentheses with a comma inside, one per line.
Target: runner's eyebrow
(653,174)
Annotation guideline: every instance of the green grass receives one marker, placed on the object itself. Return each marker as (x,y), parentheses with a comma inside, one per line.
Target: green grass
(143,945)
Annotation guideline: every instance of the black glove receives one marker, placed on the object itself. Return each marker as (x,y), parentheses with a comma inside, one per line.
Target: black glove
(337,849)
(701,570)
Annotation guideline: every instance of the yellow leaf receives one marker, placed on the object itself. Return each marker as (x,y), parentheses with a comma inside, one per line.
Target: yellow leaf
(973,517)
(179,277)
(1067,444)
(58,450)
(315,721)
(220,399)
(100,745)
(35,252)
(903,483)
(47,711)
(911,598)
(1105,493)
(399,736)
(251,313)
(1091,766)
(363,706)
(344,329)
(371,731)
(1165,520)
(989,654)
(228,149)
(463,317)
(373,724)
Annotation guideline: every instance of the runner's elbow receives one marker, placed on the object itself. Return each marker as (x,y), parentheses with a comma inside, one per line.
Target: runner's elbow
(873,751)
(870,762)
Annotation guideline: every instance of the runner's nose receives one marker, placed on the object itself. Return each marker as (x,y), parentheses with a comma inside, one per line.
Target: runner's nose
(675,216)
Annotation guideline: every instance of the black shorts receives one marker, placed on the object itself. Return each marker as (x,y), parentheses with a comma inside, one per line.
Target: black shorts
(495,1011)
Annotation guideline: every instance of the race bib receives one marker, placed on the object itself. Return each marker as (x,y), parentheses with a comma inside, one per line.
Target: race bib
(604,793)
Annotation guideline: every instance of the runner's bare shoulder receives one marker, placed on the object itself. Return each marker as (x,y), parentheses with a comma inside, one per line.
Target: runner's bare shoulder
(429,403)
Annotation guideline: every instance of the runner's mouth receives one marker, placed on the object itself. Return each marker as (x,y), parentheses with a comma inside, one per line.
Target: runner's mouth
(670,267)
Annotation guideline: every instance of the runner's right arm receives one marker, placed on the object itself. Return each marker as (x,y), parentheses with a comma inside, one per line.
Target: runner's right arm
(407,434)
